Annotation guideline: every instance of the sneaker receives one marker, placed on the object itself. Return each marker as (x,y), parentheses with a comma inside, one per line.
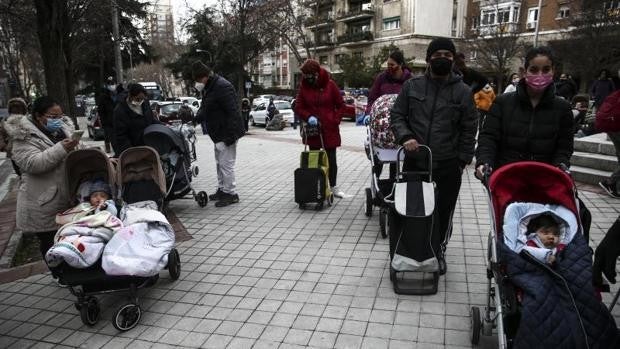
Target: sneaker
(337,192)
(609,190)
(217,195)
(227,199)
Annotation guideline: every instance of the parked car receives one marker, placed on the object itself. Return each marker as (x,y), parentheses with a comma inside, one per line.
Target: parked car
(93,124)
(260,99)
(193,102)
(169,111)
(259,113)
(348,110)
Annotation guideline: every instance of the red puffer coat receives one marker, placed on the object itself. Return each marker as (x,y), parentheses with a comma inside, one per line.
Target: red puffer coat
(324,102)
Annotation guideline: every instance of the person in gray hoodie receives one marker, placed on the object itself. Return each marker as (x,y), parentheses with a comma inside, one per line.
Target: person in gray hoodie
(437,109)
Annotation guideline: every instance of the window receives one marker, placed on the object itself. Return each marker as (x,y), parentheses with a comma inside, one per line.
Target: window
(358,55)
(391,23)
(488,17)
(338,58)
(323,60)
(475,22)
(563,12)
(503,15)
(532,15)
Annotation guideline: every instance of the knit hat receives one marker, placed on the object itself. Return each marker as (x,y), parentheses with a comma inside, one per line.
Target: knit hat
(439,44)
(310,66)
(200,70)
(99,185)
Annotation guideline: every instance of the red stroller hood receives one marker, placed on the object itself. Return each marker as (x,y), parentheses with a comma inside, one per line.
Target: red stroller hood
(530,181)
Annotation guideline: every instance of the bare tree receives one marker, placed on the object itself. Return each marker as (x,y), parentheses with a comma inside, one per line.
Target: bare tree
(496,45)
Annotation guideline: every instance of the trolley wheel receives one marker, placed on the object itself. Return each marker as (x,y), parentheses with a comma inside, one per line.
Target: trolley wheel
(202,199)
(90,311)
(383,222)
(476,325)
(127,317)
(368,210)
(174,264)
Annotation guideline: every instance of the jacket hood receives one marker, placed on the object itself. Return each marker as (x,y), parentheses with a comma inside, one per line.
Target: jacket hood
(22,127)
(406,76)
(321,81)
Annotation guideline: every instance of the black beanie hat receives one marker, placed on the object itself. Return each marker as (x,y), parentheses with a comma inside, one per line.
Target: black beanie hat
(200,70)
(439,44)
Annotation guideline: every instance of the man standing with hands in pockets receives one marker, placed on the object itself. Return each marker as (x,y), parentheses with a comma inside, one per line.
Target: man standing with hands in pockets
(437,110)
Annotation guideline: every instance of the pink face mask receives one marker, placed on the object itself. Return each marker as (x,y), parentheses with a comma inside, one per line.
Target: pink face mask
(538,83)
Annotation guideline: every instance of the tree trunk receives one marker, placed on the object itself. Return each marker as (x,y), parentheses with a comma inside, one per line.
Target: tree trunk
(52,19)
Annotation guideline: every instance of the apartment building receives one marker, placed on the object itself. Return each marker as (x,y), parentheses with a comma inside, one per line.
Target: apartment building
(272,69)
(160,23)
(362,27)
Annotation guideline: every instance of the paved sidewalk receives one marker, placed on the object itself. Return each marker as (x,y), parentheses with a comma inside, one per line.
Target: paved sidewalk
(263,274)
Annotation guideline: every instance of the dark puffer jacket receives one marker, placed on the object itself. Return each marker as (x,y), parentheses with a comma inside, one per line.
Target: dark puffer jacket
(220,110)
(441,115)
(129,126)
(515,131)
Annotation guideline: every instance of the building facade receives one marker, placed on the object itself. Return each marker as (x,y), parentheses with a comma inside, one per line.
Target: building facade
(160,23)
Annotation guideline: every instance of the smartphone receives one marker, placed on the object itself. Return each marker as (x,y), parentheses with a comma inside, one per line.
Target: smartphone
(77,135)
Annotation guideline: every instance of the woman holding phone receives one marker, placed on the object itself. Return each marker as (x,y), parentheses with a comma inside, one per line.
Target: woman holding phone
(41,143)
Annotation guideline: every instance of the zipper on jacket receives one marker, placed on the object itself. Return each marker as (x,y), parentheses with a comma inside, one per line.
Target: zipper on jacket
(570,294)
(430,123)
(529,135)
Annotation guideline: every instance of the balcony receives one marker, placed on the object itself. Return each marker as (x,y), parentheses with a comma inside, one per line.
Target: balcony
(358,37)
(496,29)
(323,20)
(364,12)
(322,3)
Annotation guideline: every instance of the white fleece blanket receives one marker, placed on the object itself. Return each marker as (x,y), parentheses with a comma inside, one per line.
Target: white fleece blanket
(141,247)
(519,214)
(80,243)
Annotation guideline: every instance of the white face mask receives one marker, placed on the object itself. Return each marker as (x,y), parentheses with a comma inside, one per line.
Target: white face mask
(112,87)
(199,86)
(137,103)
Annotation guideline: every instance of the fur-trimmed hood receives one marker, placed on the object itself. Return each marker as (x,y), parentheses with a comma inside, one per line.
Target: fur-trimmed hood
(22,127)
(321,82)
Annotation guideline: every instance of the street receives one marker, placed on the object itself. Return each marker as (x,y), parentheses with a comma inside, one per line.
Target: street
(264,274)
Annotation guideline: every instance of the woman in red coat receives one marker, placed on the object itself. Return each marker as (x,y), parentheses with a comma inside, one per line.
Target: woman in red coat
(318,102)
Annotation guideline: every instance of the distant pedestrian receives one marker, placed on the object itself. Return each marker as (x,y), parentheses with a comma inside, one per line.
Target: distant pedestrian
(131,117)
(318,103)
(245,111)
(601,88)
(565,87)
(220,114)
(512,83)
(271,110)
(295,115)
(105,110)
(471,77)
(437,110)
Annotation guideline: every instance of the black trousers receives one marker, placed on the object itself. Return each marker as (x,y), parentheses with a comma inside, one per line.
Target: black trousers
(447,177)
(46,240)
(333,166)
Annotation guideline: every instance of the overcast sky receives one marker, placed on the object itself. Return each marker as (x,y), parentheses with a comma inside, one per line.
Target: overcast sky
(183,9)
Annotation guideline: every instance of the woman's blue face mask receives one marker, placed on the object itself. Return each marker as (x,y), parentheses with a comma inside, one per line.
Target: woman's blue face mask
(53,125)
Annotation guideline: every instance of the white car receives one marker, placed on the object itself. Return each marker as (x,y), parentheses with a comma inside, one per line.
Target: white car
(194,103)
(260,99)
(259,113)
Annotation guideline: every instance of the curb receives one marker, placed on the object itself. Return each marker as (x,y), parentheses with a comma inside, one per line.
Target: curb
(22,272)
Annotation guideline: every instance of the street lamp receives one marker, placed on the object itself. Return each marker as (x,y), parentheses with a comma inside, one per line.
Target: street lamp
(205,51)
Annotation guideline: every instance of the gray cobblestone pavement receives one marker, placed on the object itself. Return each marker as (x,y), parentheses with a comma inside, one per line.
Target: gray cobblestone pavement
(263,274)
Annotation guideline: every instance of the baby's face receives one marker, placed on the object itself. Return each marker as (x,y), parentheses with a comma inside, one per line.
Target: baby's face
(97,198)
(550,237)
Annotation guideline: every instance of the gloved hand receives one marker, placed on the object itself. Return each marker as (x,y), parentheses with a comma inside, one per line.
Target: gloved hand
(366,119)
(606,254)
(313,121)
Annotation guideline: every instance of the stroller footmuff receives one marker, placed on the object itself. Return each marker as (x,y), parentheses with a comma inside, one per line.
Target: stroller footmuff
(414,267)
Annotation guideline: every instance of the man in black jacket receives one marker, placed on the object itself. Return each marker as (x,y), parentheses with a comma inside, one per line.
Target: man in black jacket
(437,110)
(131,116)
(220,114)
(105,110)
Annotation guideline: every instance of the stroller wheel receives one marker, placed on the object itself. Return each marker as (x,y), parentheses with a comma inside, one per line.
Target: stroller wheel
(383,222)
(195,171)
(302,206)
(476,325)
(368,210)
(202,199)
(174,264)
(90,311)
(319,206)
(392,274)
(127,317)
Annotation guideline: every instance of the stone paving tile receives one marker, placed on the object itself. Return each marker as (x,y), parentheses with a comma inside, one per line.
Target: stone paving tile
(264,274)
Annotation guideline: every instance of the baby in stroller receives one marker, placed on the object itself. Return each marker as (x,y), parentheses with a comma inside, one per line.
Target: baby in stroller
(543,238)
(100,196)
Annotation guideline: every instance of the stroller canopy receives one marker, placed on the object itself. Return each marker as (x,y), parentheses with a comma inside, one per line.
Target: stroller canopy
(530,181)
(163,139)
(88,164)
(141,164)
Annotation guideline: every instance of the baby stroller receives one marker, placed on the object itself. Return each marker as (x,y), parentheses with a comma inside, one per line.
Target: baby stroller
(507,309)
(411,223)
(177,151)
(134,171)
(380,149)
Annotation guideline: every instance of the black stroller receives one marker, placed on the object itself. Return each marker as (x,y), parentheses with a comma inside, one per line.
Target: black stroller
(177,151)
(139,178)
(411,220)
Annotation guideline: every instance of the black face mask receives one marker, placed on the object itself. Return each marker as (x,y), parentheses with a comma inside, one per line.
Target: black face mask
(310,80)
(441,66)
